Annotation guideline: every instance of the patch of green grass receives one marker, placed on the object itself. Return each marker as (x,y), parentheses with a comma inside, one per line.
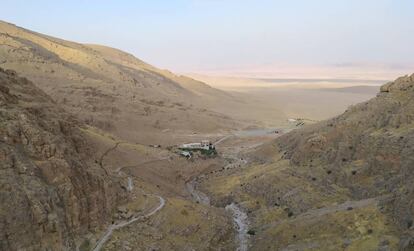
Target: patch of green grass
(209,152)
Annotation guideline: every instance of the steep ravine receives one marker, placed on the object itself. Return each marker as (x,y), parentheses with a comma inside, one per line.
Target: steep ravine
(235,163)
(240,218)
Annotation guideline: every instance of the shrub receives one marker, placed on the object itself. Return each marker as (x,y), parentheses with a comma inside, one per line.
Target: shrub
(251,232)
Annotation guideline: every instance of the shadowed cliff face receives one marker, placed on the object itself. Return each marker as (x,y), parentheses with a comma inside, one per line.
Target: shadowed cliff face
(51,192)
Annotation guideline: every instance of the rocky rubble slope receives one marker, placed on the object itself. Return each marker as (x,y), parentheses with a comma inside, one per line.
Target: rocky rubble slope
(51,190)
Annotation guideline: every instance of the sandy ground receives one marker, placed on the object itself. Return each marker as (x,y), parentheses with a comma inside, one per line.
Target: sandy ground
(315,99)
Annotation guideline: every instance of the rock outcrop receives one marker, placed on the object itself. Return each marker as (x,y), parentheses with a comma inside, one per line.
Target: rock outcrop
(51,191)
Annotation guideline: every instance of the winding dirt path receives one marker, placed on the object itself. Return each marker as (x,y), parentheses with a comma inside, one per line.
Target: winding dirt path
(122,224)
(113,227)
(222,139)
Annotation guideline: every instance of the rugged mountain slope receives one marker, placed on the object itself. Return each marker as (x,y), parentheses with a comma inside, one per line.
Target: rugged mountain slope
(369,149)
(345,183)
(51,190)
(117,92)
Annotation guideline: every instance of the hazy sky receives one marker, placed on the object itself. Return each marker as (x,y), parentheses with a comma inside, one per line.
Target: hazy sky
(191,35)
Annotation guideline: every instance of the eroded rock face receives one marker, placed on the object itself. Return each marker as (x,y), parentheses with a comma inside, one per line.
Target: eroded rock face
(402,84)
(51,192)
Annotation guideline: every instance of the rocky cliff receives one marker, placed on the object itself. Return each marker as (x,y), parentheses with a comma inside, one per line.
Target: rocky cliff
(51,189)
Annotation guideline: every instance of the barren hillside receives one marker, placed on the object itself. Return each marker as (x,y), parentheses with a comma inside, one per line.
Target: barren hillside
(119,93)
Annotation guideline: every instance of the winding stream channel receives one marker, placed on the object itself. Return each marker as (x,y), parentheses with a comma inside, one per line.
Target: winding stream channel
(241,223)
(240,218)
(197,195)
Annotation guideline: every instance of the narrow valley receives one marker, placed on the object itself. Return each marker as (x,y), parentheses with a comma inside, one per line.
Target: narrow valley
(278,141)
